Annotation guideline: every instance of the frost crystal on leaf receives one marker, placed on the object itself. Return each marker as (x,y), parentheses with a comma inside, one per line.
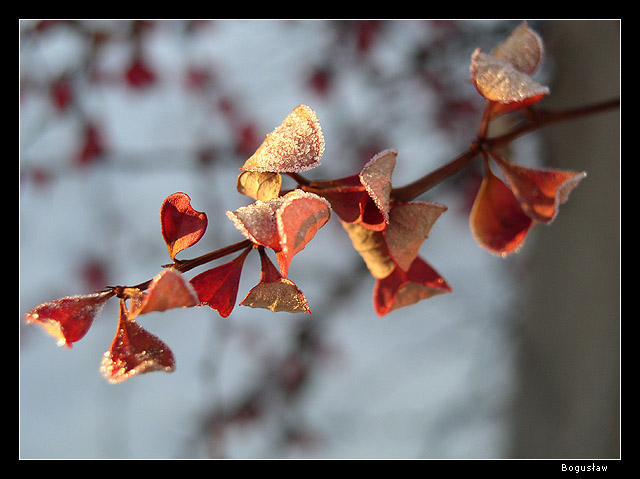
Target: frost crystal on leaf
(294,146)
(499,81)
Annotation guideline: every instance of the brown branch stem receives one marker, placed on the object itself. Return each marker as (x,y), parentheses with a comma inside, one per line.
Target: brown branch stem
(537,119)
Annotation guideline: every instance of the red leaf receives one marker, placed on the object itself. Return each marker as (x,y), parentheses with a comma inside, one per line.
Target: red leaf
(497,222)
(539,191)
(218,287)
(345,196)
(182,226)
(257,222)
(400,288)
(134,351)
(285,224)
(298,219)
(139,74)
(68,319)
(92,146)
(167,290)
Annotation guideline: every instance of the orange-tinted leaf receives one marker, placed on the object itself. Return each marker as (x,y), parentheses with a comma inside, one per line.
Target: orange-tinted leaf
(259,185)
(296,145)
(501,82)
(523,49)
(400,288)
(539,191)
(372,247)
(299,218)
(275,292)
(167,290)
(409,226)
(218,287)
(497,221)
(257,222)
(182,226)
(69,319)
(134,351)
(376,178)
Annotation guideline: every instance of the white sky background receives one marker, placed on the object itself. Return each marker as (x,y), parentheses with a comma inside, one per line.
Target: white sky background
(428,381)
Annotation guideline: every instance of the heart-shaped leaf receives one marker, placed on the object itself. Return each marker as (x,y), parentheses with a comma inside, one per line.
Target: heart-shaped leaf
(134,351)
(274,292)
(400,288)
(182,226)
(294,146)
(497,221)
(540,192)
(218,287)
(69,319)
(409,226)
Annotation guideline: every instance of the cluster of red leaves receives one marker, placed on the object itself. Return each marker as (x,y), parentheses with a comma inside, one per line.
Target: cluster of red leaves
(284,224)
(503,213)
(386,232)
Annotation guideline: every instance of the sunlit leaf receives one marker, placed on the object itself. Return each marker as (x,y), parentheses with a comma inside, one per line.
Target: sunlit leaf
(274,292)
(501,82)
(69,319)
(294,146)
(259,185)
(372,248)
(182,226)
(497,221)
(376,178)
(345,196)
(257,222)
(400,288)
(218,287)
(134,351)
(523,49)
(409,226)
(167,290)
(540,192)
(299,218)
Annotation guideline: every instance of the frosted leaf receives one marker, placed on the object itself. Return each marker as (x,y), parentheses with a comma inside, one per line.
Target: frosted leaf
(68,319)
(409,226)
(376,178)
(523,49)
(539,191)
(500,81)
(296,145)
(134,351)
(298,219)
(167,290)
(257,222)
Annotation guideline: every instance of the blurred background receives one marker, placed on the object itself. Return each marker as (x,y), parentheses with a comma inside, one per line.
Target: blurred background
(521,360)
